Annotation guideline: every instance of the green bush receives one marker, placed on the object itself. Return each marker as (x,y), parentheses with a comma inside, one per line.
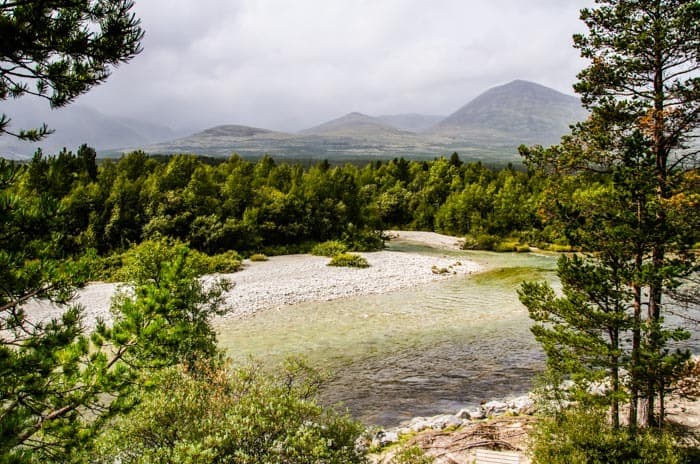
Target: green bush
(411,455)
(523,249)
(226,262)
(258,257)
(241,416)
(480,242)
(579,436)
(348,260)
(505,246)
(143,261)
(329,248)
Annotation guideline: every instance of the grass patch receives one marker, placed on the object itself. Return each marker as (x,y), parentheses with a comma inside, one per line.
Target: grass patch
(257,257)
(348,260)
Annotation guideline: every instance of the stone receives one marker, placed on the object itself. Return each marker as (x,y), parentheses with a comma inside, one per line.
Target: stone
(444,421)
(477,414)
(522,405)
(463,414)
(418,424)
(384,438)
(494,408)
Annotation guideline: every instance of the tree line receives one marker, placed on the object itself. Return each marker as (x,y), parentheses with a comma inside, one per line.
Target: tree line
(273,206)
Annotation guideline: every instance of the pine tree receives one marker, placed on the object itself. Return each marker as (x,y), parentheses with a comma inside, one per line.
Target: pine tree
(644,95)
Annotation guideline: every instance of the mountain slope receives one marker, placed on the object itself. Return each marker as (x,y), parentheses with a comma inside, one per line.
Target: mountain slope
(518,112)
(75,125)
(411,122)
(353,125)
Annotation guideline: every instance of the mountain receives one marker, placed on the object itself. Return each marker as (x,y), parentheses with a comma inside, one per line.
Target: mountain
(354,125)
(518,112)
(75,125)
(411,122)
(224,140)
(490,126)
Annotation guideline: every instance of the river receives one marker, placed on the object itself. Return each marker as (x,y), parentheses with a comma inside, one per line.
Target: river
(420,351)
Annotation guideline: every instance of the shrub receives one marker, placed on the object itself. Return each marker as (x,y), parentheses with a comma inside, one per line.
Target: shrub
(411,455)
(258,257)
(349,260)
(584,436)
(505,246)
(480,242)
(329,248)
(142,262)
(226,262)
(241,416)
(523,249)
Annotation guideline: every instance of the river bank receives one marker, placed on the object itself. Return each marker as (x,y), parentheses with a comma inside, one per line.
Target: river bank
(291,279)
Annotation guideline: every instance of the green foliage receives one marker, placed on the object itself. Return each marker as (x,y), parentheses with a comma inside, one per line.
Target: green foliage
(144,261)
(257,257)
(619,188)
(224,263)
(60,384)
(62,49)
(349,260)
(480,242)
(169,314)
(286,210)
(580,436)
(411,455)
(329,248)
(242,416)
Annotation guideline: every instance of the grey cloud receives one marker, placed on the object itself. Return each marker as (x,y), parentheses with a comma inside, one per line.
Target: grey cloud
(287,65)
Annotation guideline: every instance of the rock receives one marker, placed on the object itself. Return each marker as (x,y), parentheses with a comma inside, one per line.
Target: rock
(463,414)
(477,414)
(384,438)
(522,405)
(444,421)
(494,408)
(418,424)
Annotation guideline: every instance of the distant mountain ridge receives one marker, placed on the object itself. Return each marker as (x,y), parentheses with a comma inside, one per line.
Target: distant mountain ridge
(75,125)
(490,126)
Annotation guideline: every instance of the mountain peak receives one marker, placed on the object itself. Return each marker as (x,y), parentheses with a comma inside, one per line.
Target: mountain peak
(522,110)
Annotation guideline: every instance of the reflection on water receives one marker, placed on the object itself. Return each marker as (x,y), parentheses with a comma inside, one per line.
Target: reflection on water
(418,351)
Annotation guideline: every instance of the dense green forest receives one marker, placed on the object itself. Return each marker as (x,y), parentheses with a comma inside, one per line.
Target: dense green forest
(277,207)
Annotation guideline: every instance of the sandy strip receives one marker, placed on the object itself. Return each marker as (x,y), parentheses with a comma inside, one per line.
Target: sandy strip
(291,279)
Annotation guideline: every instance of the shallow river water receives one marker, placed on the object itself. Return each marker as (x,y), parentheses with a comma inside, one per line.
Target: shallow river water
(418,351)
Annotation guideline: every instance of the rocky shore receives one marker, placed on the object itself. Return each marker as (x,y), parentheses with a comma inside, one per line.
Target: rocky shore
(454,438)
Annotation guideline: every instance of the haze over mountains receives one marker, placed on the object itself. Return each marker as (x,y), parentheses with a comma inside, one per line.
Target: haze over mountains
(490,126)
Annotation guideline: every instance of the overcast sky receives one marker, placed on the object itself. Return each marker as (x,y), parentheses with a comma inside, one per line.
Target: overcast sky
(290,64)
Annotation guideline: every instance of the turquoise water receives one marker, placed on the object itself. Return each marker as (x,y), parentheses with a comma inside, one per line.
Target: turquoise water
(419,351)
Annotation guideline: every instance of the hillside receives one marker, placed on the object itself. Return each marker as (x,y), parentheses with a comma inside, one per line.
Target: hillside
(412,122)
(518,112)
(354,125)
(490,127)
(74,126)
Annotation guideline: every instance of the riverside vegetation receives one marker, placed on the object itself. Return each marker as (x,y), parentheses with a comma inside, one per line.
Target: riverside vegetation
(622,188)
